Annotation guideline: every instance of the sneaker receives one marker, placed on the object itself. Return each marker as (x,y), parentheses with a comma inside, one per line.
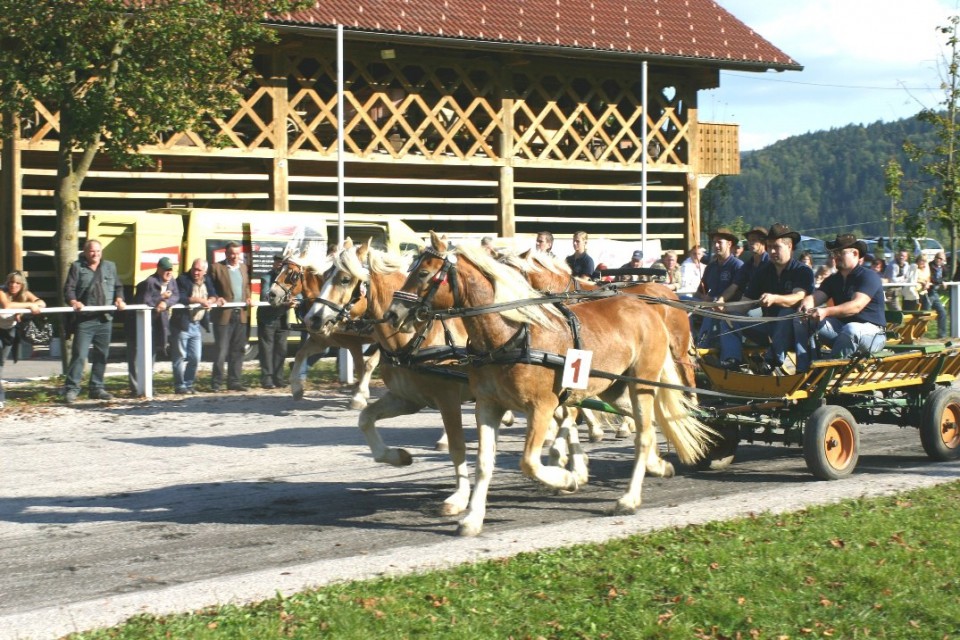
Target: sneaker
(100,394)
(215,387)
(181,391)
(70,397)
(237,387)
(191,391)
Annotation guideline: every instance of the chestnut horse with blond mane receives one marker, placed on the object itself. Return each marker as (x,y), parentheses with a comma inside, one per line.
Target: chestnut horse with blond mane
(362,283)
(298,279)
(627,338)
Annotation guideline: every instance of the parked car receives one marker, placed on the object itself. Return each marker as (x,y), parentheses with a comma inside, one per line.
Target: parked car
(816,247)
(885,247)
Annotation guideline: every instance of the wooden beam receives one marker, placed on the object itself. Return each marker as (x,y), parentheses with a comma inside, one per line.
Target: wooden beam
(280,166)
(693,210)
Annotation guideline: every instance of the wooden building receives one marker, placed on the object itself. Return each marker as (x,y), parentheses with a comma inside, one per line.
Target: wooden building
(462,116)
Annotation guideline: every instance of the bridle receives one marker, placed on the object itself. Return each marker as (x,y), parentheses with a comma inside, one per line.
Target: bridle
(343,312)
(291,280)
(421,307)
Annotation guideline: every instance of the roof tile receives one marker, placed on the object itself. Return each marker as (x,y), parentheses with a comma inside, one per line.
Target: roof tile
(700,29)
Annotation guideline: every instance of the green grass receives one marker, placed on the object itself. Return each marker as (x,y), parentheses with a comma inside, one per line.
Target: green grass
(879,568)
(45,392)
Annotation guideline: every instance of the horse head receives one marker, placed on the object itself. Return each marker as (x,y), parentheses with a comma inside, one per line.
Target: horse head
(344,291)
(430,284)
(288,284)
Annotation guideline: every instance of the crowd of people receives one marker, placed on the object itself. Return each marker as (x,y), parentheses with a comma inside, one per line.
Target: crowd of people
(837,307)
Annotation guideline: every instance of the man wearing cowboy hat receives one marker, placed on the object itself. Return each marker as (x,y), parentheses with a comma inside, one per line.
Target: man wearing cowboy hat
(755,255)
(779,284)
(853,320)
(719,285)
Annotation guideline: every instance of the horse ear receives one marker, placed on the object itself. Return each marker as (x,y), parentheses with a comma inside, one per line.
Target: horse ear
(348,243)
(525,255)
(438,243)
(363,249)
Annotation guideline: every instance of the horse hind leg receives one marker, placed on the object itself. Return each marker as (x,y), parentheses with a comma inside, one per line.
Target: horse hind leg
(646,439)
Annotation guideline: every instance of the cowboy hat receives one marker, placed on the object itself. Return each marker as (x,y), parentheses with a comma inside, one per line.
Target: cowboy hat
(780,230)
(847,240)
(725,233)
(760,231)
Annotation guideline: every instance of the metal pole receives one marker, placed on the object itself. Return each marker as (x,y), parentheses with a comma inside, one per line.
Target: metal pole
(643,160)
(344,361)
(143,366)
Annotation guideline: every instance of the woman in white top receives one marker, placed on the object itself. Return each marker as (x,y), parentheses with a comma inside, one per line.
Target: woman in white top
(13,295)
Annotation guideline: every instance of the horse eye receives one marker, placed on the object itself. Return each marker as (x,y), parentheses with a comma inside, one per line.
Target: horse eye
(424,273)
(345,280)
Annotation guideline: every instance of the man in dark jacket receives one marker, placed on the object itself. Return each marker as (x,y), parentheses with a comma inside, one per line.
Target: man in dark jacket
(91,282)
(195,287)
(159,291)
(273,326)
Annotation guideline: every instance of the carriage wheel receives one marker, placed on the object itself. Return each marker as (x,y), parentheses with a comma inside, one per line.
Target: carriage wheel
(940,426)
(831,443)
(722,451)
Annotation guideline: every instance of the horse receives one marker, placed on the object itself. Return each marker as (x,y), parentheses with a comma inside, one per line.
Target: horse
(362,283)
(627,337)
(296,279)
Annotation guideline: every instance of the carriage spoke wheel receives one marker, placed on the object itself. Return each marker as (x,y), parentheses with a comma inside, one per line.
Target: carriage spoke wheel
(831,443)
(940,426)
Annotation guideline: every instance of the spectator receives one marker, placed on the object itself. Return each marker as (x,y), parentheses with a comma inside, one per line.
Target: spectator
(231,279)
(544,242)
(719,285)
(937,272)
(91,282)
(159,291)
(691,272)
(636,261)
(821,274)
(273,327)
(755,257)
(669,264)
(580,263)
(194,287)
(901,271)
(14,294)
(853,322)
(807,258)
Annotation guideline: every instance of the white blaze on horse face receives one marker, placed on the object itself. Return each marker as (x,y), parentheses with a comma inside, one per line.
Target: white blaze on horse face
(325,314)
(312,320)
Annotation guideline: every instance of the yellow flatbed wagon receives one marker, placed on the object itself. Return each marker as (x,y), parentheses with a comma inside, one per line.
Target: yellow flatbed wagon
(821,409)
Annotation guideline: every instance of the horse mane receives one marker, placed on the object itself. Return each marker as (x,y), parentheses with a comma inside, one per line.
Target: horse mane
(550,262)
(347,260)
(384,263)
(509,286)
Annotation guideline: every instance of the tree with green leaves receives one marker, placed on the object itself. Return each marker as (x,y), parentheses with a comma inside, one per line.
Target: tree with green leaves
(938,160)
(119,73)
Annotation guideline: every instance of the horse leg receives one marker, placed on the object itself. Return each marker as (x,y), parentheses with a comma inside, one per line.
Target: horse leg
(627,427)
(557,439)
(452,414)
(362,390)
(593,425)
(578,458)
(646,439)
(488,424)
(307,349)
(389,406)
(538,422)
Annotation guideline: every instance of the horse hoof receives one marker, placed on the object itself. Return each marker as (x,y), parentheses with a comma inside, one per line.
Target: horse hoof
(596,437)
(624,508)
(452,509)
(623,432)
(404,459)
(441,446)
(508,419)
(468,529)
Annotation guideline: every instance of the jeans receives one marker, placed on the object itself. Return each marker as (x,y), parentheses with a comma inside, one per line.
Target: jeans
(932,301)
(4,354)
(231,339)
(186,345)
(95,332)
(782,335)
(851,338)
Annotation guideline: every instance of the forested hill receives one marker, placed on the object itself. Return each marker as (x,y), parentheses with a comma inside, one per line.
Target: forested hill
(820,183)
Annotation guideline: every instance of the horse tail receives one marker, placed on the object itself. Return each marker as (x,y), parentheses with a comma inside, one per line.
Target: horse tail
(673,412)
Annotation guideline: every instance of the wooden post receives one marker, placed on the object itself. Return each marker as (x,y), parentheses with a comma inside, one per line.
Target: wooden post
(506,213)
(692,189)
(11,214)
(280,169)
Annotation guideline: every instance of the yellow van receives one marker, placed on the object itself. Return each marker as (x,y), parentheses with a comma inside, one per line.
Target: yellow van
(137,241)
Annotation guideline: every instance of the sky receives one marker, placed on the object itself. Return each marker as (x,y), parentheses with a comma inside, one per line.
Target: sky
(864,61)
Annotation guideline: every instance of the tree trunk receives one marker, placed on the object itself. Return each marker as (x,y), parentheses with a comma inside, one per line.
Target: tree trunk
(67,205)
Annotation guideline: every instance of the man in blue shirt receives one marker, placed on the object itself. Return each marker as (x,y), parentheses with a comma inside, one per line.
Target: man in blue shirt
(853,321)
(779,284)
(719,285)
(580,263)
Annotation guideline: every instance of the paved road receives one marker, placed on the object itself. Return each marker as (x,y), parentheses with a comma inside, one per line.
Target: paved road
(107,510)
